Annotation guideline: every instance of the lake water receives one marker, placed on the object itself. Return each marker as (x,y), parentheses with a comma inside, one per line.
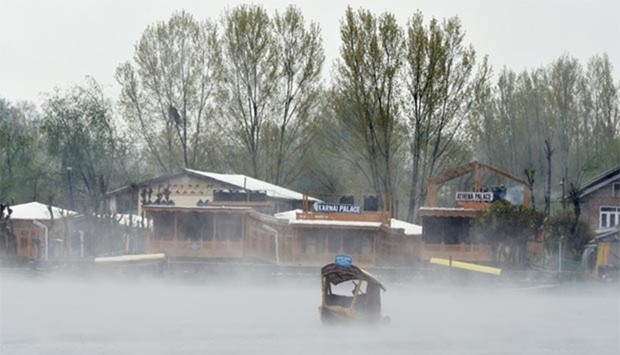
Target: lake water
(62,315)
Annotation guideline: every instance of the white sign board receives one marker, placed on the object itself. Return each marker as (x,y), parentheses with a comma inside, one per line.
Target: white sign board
(474,196)
(337,207)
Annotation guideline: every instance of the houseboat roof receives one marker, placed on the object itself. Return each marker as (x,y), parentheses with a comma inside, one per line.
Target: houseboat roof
(38,211)
(249,183)
(608,234)
(238,181)
(291,216)
(173,208)
(601,180)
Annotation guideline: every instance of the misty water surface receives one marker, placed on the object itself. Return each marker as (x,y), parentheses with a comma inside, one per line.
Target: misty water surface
(60,315)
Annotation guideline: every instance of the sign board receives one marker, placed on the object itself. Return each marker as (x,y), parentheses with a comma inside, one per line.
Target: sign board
(474,196)
(343,260)
(337,207)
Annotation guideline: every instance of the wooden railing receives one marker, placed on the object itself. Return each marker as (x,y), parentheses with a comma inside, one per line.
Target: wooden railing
(196,249)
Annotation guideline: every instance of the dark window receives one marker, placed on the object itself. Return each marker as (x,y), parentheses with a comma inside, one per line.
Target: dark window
(351,245)
(308,245)
(206,228)
(124,204)
(163,226)
(229,227)
(189,226)
(334,243)
(312,241)
(366,240)
(616,190)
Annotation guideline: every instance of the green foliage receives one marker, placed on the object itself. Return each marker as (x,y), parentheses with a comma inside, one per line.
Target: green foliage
(87,151)
(575,111)
(13,143)
(23,169)
(562,225)
(507,228)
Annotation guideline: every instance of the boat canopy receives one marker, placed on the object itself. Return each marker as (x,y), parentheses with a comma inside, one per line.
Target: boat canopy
(337,274)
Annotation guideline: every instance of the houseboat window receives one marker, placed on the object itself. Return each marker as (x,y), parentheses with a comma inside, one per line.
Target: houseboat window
(124,204)
(366,240)
(351,244)
(229,227)
(308,245)
(609,216)
(206,227)
(357,241)
(334,243)
(189,226)
(313,241)
(163,226)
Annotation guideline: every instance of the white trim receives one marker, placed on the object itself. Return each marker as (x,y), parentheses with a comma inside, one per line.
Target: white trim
(615,212)
(599,185)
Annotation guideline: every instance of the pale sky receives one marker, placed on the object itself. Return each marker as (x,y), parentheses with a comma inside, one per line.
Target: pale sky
(47,44)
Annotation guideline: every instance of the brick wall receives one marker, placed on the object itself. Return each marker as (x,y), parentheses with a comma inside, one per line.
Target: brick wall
(591,204)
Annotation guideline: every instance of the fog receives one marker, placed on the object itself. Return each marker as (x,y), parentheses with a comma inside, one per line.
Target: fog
(278,314)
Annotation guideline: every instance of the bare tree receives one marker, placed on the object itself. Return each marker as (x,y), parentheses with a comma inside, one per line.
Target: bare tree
(548,155)
(367,89)
(249,77)
(167,91)
(299,53)
(564,75)
(441,81)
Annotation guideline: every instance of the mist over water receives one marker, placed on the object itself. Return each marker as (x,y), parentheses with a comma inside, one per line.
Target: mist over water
(278,315)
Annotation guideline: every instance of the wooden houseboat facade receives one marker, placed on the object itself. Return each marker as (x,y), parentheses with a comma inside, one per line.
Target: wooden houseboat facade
(294,237)
(38,231)
(448,230)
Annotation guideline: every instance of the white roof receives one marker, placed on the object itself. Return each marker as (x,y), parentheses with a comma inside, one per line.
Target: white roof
(252,184)
(410,228)
(447,209)
(291,216)
(38,211)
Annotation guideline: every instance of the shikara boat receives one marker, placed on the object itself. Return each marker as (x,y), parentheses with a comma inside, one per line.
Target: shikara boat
(362,305)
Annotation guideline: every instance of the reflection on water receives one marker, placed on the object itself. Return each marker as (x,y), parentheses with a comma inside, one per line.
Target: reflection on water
(78,316)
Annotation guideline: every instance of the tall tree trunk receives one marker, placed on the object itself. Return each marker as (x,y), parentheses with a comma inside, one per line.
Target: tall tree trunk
(548,155)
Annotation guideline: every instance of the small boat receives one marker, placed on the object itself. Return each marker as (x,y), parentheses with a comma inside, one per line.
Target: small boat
(137,264)
(363,305)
